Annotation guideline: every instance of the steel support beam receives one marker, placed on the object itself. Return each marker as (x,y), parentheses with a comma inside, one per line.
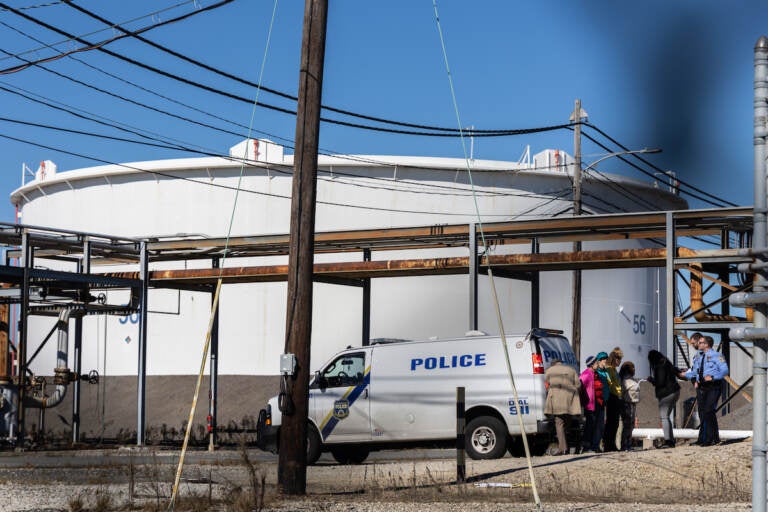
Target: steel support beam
(27,261)
(83,267)
(473,260)
(366,334)
(141,419)
(535,289)
(669,331)
(618,258)
(213,389)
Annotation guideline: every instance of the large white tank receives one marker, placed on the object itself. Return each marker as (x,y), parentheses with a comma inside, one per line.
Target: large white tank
(197,196)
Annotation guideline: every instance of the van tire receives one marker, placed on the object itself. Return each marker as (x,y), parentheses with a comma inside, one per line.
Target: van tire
(314,445)
(350,454)
(486,438)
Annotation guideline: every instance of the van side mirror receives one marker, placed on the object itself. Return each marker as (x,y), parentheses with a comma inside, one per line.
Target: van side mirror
(319,381)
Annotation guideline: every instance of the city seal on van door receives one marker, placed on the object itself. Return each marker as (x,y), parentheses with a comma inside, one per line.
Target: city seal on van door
(340,409)
(452,361)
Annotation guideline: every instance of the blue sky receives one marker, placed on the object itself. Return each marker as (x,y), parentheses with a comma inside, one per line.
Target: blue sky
(674,75)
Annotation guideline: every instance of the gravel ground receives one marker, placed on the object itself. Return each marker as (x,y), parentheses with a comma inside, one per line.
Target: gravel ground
(687,478)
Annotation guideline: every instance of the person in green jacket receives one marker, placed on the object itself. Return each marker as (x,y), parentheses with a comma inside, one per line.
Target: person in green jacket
(614,404)
(601,375)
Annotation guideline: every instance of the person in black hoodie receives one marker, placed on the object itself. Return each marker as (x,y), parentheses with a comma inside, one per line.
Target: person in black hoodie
(664,379)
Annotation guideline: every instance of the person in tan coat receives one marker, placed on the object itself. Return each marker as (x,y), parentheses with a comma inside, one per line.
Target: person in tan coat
(562,383)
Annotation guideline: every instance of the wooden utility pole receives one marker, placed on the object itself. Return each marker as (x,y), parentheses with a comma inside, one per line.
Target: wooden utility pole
(576,291)
(292,465)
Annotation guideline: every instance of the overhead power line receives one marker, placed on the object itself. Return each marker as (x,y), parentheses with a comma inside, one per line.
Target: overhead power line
(186,146)
(94,46)
(720,204)
(220,72)
(338,177)
(99,47)
(38,6)
(658,169)
(64,41)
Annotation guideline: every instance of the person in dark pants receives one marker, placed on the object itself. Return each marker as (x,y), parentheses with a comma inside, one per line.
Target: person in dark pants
(601,399)
(592,401)
(708,371)
(630,397)
(664,379)
(615,403)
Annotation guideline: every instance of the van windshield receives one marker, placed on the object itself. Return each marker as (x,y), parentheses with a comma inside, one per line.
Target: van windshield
(345,370)
(556,347)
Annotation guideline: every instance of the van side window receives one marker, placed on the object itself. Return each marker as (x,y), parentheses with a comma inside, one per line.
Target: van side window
(345,370)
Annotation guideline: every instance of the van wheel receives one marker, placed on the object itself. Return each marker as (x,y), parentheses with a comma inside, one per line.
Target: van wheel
(486,438)
(314,445)
(350,454)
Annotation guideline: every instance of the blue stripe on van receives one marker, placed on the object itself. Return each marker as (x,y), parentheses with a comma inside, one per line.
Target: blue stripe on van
(351,396)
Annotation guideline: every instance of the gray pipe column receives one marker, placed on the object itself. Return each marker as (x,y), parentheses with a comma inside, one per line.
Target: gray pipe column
(141,392)
(759,242)
(473,260)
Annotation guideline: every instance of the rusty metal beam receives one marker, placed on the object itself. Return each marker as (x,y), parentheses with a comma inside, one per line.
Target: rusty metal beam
(560,229)
(626,258)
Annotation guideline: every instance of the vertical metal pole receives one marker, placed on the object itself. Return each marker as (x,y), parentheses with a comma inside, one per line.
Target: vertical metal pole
(366,334)
(535,289)
(473,323)
(26,257)
(669,330)
(213,391)
(760,350)
(142,369)
(576,118)
(576,288)
(461,467)
(83,267)
(292,463)
(725,339)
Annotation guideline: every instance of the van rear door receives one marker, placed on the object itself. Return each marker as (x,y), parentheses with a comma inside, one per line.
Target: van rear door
(552,345)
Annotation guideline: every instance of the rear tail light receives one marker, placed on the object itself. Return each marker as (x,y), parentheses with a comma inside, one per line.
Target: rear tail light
(538,364)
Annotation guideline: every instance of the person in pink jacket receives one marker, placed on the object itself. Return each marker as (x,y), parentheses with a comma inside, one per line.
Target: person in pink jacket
(593,409)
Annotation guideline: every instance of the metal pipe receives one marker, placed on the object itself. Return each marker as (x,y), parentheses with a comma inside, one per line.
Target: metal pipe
(473,260)
(141,377)
(61,372)
(760,350)
(687,433)
(697,300)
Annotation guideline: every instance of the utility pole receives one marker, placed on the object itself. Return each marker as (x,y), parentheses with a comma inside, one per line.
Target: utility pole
(292,464)
(576,288)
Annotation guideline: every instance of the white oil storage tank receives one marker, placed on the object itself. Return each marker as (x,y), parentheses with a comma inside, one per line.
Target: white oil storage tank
(197,197)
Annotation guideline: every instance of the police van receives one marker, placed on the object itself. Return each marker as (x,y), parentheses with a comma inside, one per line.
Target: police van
(395,394)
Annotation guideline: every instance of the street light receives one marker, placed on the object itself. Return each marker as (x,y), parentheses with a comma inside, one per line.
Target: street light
(576,283)
(577,172)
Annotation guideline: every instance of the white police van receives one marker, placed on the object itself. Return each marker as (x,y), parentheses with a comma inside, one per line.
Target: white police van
(403,393)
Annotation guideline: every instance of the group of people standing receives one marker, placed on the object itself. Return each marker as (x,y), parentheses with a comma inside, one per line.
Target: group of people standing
(610,395)
(607,393)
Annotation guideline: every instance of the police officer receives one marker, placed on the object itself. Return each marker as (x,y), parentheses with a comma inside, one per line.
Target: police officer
(708,371)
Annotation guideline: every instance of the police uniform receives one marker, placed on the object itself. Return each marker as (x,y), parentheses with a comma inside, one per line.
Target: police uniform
(708,363)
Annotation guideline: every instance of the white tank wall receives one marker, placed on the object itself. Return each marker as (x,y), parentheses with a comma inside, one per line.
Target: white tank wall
(252,317)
